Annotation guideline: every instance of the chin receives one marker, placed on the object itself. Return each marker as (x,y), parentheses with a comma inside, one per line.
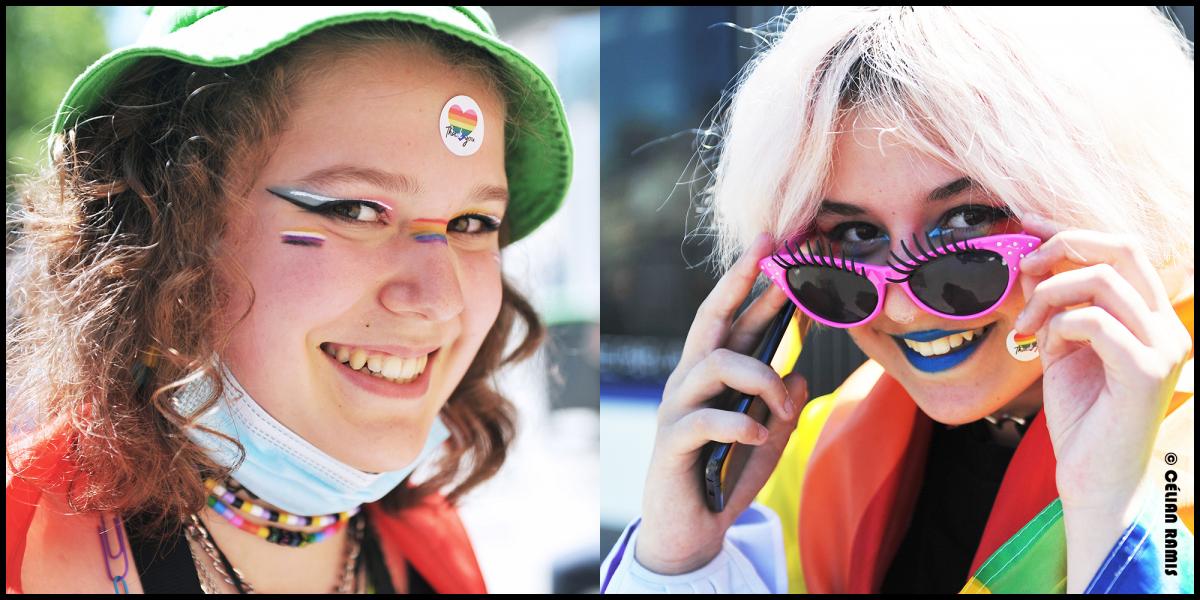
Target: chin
(384,446)
(955,398)
(953,407)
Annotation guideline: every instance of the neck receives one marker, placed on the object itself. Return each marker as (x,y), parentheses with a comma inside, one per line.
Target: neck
(1023,406)
(271,568)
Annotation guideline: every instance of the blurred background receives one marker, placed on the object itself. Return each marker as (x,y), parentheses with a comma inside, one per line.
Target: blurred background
(664,70)
(533,526)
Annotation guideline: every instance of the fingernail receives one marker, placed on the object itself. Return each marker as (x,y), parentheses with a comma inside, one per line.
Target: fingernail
(789,407)
(1020,322)
(762,434)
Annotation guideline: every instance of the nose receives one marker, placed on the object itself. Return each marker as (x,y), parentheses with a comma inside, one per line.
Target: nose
(426,282)
(898,306)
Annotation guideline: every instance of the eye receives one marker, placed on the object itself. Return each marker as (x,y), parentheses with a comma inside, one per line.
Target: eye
(856,232)
(975,219)
(968,216)
(856,239)
(473,224)
(357,211)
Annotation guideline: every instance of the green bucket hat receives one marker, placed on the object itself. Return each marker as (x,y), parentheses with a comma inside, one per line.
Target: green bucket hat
(537,158)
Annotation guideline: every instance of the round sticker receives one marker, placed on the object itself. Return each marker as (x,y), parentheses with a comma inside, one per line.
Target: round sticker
(1024,348)
(461,126)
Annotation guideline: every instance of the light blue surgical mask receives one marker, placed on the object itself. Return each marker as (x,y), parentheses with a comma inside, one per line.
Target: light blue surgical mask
(281,467)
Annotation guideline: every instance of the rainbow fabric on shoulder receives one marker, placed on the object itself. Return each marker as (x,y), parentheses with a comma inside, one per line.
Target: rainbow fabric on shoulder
(844,505)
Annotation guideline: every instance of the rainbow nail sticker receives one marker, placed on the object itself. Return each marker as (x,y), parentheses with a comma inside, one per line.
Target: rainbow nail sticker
(461,126)
(1022,347)
(428,231)
(302,237)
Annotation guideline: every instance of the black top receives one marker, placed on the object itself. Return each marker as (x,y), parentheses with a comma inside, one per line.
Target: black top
(165,565)
(962,476)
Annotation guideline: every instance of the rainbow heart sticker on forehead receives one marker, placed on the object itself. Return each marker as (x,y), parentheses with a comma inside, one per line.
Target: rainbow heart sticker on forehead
(461,126)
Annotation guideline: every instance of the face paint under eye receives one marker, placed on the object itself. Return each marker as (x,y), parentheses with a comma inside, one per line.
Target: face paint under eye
(302,237)
(428,231)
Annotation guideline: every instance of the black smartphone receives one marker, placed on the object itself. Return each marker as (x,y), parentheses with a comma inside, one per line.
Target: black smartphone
(723,461)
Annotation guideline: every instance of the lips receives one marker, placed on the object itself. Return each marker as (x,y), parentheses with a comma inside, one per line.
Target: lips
(936,343)
(380,373)
(935,362)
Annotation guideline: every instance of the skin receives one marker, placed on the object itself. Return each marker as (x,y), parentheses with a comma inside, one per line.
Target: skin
(367,284)
(1100,311)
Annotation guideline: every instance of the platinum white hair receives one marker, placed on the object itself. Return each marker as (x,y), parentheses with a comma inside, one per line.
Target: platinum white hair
(1085,117)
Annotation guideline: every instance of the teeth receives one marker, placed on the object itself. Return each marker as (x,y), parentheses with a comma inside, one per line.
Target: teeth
(393,368)
(358,358)
(943,345)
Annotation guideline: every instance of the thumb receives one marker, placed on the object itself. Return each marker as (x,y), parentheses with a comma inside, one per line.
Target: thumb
(797,388)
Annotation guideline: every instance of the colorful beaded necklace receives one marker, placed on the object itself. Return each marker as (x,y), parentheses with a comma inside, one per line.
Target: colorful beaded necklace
(226,504)
(248,507)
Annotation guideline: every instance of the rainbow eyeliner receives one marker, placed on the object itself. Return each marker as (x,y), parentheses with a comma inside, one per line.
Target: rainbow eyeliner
(429,231)
(302,237)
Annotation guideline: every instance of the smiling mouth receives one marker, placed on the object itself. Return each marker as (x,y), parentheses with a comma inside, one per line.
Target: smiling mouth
(395,369)
(954,342)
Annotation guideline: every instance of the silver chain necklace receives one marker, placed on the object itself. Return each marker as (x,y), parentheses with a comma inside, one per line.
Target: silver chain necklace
(999,420)
(198,533)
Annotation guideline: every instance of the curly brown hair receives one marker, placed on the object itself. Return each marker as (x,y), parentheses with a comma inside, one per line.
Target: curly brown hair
(116,255)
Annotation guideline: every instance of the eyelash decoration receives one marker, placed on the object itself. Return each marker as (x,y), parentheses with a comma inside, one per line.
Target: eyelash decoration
(816,257)
(906,267)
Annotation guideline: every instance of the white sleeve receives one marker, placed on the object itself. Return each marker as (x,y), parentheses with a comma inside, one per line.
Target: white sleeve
(751,561)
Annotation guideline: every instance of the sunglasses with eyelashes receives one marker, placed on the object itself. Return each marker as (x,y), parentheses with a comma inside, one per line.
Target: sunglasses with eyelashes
(951,278)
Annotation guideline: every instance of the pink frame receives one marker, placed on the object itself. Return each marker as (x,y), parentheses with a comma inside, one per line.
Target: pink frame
(1008,246)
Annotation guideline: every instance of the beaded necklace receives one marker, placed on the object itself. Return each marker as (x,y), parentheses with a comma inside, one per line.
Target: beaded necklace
(196,530)
(224,503)
(233,500)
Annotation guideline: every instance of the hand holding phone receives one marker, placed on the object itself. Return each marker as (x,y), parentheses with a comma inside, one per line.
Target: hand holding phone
(678,532)
(723,462)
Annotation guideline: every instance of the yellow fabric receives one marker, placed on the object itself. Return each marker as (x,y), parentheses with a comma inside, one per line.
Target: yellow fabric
(782,491)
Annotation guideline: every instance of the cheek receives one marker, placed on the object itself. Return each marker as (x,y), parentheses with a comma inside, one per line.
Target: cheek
(294,278)
(482,292)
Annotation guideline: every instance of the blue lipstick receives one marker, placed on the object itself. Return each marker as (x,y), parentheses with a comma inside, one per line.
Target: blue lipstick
(929,335)
(934,364)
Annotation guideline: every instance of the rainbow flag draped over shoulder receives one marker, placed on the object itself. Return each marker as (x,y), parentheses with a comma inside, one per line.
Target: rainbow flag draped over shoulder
(848,481)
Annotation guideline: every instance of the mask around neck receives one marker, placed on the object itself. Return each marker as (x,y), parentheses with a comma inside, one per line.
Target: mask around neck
(281,467)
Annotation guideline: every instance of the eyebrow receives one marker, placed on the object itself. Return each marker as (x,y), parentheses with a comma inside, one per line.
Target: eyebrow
(393,182)
(485,193)
(942,192)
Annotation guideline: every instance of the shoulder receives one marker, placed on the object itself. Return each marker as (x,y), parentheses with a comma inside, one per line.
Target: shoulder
(50,548)
(61,552)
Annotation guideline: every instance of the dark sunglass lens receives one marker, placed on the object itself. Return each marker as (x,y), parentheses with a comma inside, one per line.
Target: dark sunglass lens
(833,294)
(961,284)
